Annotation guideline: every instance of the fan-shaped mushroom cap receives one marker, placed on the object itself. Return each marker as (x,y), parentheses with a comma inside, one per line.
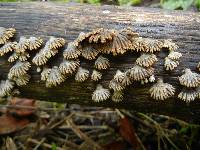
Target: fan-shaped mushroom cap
(55,77)
(187,95)
(117,96)
(174,55)
(100,94)
(119,76)
(8,47)
(170,64)
(161,90)
(126,80)
(96,75)
(19,69)
(6,87)
(72,51)
(22,80)
(189,79)
(138,73)
(167,43)
(24,56)
(45,73)
(55,43)
(89,52)
(116,86)
(35,43)
(129,33)
(81,75)
(22,45)
(6,34)
(101,63)
(68,67)
(13,57)
(81,37)
(146,60)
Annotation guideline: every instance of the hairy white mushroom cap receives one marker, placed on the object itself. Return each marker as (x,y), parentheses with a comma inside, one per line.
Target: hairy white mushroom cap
(81,74)
(117,96)
(6,87)
(119,76)
(139,73)
(6,34)
(35,43)
(116,86)
(22,80)
(161,90)
(72,51)
(19,69)
(89,52)
(167,43)
(8,47)
(45,73)
(170,64)
(96,75)
(146,60)
(68,67)
(189,79)
(13,57)
(100,94)
(188,95)
(22,45)
(174,55)
(55,43)
(102,63)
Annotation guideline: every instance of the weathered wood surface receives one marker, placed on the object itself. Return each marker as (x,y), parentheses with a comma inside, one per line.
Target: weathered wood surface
(68,20)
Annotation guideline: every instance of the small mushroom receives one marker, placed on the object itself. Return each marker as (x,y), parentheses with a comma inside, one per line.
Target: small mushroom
(102,63)
(100,94)
(119,76)
(174,55)
(55,43)
(170,64)
(68,67)
(8,47)
(89,52)
(188,95)
(146,60)
(6,87)
(167,43)
(139,73)
(72,51)
(55,77)
(81,37)
(13,57)
(45,73)
(22,45)
(24,56)
(189,79)
(96,75)
(22,80)
(19,69)
(116,86)
(6,34)
(126,80)
(117,96)
(81,75)
(35,43)
(161,90)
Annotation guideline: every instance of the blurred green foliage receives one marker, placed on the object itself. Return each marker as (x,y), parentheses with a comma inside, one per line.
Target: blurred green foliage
(176,4)
(129,2)
(197,4)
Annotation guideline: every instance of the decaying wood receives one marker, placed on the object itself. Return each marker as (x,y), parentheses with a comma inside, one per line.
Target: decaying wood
(68,20)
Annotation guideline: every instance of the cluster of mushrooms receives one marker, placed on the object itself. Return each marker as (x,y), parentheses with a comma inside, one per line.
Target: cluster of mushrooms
(95,45)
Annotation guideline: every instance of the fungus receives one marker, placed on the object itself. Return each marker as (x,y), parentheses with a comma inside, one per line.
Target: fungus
(82,36)
(22,80)
(81,75)
(89,52)
(152,78)
(13,57)
(35,43)
(45,73)
(19,69)
(161,90)
(6,34)
(147,80)
(174,55)
(126,80)
(22,45)
(119,76)
(117,96)
(170,64)
(101,63)
(96,75)
(68,67)
(6,87)
(146,60)
(72,51)
(129,33)
(116,86)
(189,79)
(24,56)
(187,95)
(55,77)
(100,94)
(167,43)
(138,73)
(8,47)
(55,43)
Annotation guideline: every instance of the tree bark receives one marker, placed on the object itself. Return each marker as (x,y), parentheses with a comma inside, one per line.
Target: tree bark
(68,20)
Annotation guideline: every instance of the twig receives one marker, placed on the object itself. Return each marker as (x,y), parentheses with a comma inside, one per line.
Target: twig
(39,144)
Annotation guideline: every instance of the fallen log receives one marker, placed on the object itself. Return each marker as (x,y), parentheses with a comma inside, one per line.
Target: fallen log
(68,20)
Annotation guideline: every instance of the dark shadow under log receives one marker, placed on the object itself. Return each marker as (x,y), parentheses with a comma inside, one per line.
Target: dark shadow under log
(68,20)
